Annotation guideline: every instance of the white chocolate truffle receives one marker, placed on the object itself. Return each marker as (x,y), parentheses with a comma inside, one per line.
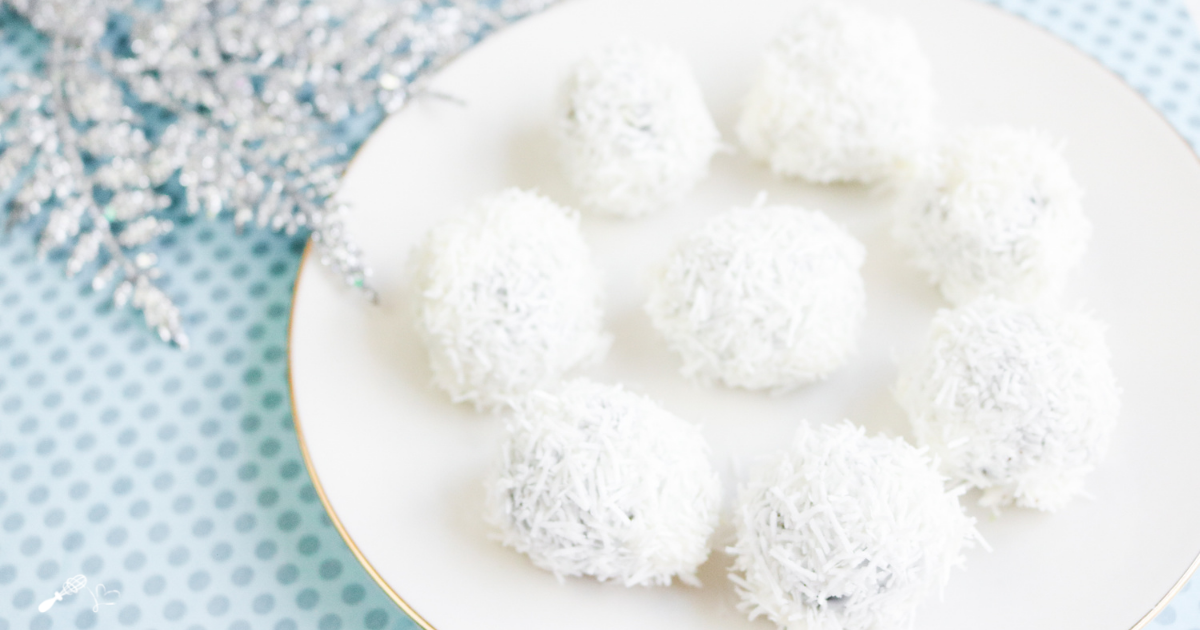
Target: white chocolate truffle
(635,133)
(1017,400)
(761,298)
(847,532)
(508,299)
(594,480)
(843,95)
(1000,215)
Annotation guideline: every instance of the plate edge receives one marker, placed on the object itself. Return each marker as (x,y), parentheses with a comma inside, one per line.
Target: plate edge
(312,470)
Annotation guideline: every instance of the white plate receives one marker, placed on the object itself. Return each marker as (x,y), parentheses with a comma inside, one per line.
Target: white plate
(401,467)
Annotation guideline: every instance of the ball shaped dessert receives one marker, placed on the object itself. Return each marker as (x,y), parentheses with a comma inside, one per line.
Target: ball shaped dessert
(761,298)
(507,299)
(1017,400)
(843,95)
(1000,215)
(635,133)
(595,480)
(845,531)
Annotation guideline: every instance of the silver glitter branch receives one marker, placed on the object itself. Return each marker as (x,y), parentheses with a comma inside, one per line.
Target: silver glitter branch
(253,92)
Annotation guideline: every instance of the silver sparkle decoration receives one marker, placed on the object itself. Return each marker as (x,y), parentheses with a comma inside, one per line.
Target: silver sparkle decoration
(253,88)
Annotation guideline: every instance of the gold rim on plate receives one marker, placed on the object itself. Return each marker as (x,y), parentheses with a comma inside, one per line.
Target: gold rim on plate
(312,471)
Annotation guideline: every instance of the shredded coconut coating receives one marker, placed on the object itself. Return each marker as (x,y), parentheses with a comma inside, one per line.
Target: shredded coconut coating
(761,298)
(1017,400)
(1001,215)
(635,133)
(843,95)
(594,480)
(508,299)
(845,532)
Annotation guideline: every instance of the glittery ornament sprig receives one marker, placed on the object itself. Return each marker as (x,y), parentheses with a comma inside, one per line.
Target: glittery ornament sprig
(253,92)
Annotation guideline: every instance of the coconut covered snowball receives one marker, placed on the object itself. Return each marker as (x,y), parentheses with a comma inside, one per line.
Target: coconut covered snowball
(1001,216)
(507,298)
(845,532)
(635,133)
(761,298)
(843,95)
(595,480)
(1017,400)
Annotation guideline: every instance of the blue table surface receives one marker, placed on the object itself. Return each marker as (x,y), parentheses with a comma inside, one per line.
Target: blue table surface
(175,477)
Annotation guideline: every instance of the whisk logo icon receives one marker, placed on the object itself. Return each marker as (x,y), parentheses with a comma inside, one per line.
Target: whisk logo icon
(76,584)
(73,585)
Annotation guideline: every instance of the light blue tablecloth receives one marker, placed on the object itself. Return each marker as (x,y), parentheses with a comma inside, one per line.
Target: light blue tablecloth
(175,477)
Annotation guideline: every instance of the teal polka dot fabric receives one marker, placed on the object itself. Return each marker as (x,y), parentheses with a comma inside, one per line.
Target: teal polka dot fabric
(172,480)
(1152,44)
